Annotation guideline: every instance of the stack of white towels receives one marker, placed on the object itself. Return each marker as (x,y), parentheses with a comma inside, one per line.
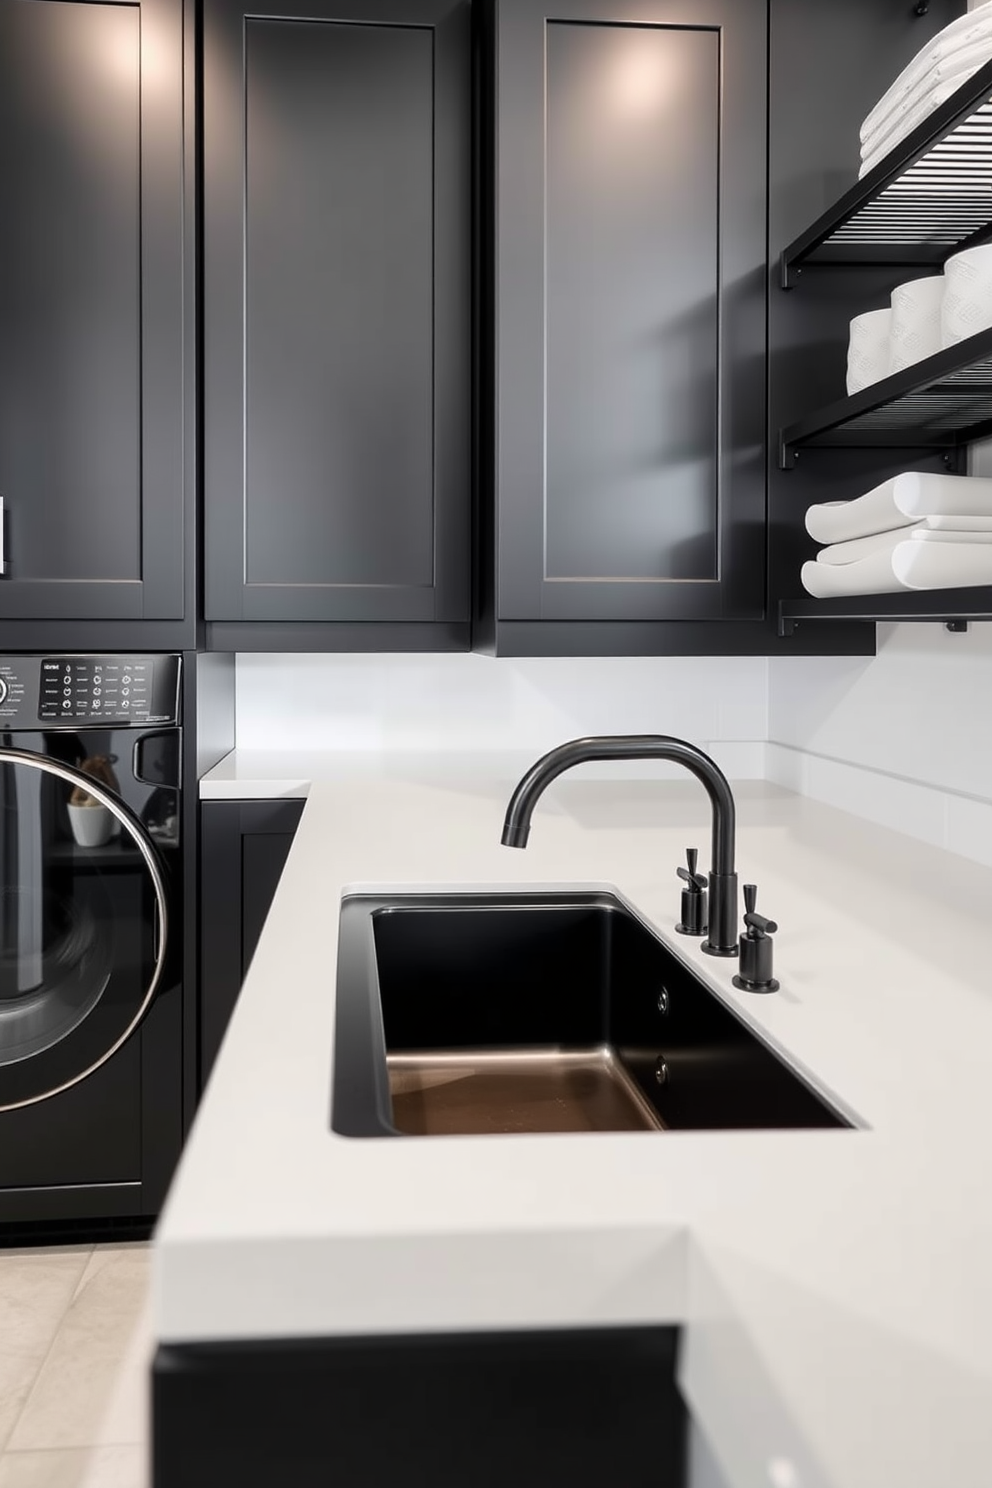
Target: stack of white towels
(916,531)
(938,70)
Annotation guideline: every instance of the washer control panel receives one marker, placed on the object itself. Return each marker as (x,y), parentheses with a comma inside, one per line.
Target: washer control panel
(96,687)
(73,691)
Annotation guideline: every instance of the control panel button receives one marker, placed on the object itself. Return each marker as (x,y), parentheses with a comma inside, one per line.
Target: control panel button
(103,690)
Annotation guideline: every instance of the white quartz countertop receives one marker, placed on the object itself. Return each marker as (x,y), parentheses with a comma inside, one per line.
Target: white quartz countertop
(835,1286)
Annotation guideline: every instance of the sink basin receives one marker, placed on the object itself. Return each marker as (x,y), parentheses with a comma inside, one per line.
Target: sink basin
(506,1014)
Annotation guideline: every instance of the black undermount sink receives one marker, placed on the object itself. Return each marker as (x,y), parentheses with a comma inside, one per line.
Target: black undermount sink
(512,1013)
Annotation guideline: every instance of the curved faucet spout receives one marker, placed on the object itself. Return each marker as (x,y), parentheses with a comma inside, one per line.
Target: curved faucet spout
(722,878)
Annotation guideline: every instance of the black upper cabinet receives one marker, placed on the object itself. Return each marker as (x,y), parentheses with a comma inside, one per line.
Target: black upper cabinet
(624,424)
(92,312)
(337,314)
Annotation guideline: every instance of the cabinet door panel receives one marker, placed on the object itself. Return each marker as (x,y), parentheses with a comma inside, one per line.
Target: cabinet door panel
(337,312)
(244,847)
(630,310)
(91,452)
(632,327)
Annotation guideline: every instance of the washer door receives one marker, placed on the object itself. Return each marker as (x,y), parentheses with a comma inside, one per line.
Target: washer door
(83,925)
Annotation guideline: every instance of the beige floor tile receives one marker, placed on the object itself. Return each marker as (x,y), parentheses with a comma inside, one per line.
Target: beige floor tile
(42,1469)
(75,1467)
(116,1467)
(126,1418)
(137,1258)
(78,1379)
(36,1290)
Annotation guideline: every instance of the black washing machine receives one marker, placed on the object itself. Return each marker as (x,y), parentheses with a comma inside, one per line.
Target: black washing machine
(90,941)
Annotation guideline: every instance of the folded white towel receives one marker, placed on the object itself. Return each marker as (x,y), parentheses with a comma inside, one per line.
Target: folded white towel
(914,117)
(956,524)
(898,502)
(945,78)
(909,565)
(962,33)
(884,542)
(950,73)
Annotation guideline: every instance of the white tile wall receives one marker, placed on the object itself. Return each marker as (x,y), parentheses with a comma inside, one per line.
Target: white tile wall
(481,703)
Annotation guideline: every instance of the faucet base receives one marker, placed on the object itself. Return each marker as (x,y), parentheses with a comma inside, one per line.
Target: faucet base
(746,986)
(712,950)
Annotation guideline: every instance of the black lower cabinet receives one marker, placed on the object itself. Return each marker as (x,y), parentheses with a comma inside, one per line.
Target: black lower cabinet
(564,1409)
(244,847)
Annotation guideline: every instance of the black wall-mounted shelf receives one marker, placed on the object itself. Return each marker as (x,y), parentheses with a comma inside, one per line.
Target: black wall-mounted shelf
(955,608)
(930,196)
(942,402)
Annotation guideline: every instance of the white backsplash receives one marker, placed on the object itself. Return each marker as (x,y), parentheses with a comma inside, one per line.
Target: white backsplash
(903,738)
(462,703)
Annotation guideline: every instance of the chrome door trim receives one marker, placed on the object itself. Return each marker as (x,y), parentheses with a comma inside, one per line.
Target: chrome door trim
(131,822)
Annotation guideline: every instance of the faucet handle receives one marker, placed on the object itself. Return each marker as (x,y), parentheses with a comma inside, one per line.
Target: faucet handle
(694,880)
(753,921)
(693,921)
(755,973)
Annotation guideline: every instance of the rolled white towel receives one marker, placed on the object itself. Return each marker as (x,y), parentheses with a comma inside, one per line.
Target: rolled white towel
(960,34)
(869,349)
(908,565)
(898,502)
(954,71)
(884,542)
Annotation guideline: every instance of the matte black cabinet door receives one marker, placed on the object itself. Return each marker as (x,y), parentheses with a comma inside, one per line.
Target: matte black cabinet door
(243,850)
(628,309)
(337,222)
(91,309)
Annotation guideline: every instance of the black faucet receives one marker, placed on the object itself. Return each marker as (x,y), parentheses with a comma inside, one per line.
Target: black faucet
(722,879)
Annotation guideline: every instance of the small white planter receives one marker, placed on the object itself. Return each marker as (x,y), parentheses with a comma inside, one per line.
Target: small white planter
(92,826)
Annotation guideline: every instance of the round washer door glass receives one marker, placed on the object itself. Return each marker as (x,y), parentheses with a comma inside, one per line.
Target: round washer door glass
(82,926)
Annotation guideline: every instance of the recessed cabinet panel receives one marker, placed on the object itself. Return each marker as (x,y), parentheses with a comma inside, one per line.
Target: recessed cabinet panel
(632,159)
(338,303)
(628,303)
(244,847)
(69,305)
(91,375)
(337,311)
